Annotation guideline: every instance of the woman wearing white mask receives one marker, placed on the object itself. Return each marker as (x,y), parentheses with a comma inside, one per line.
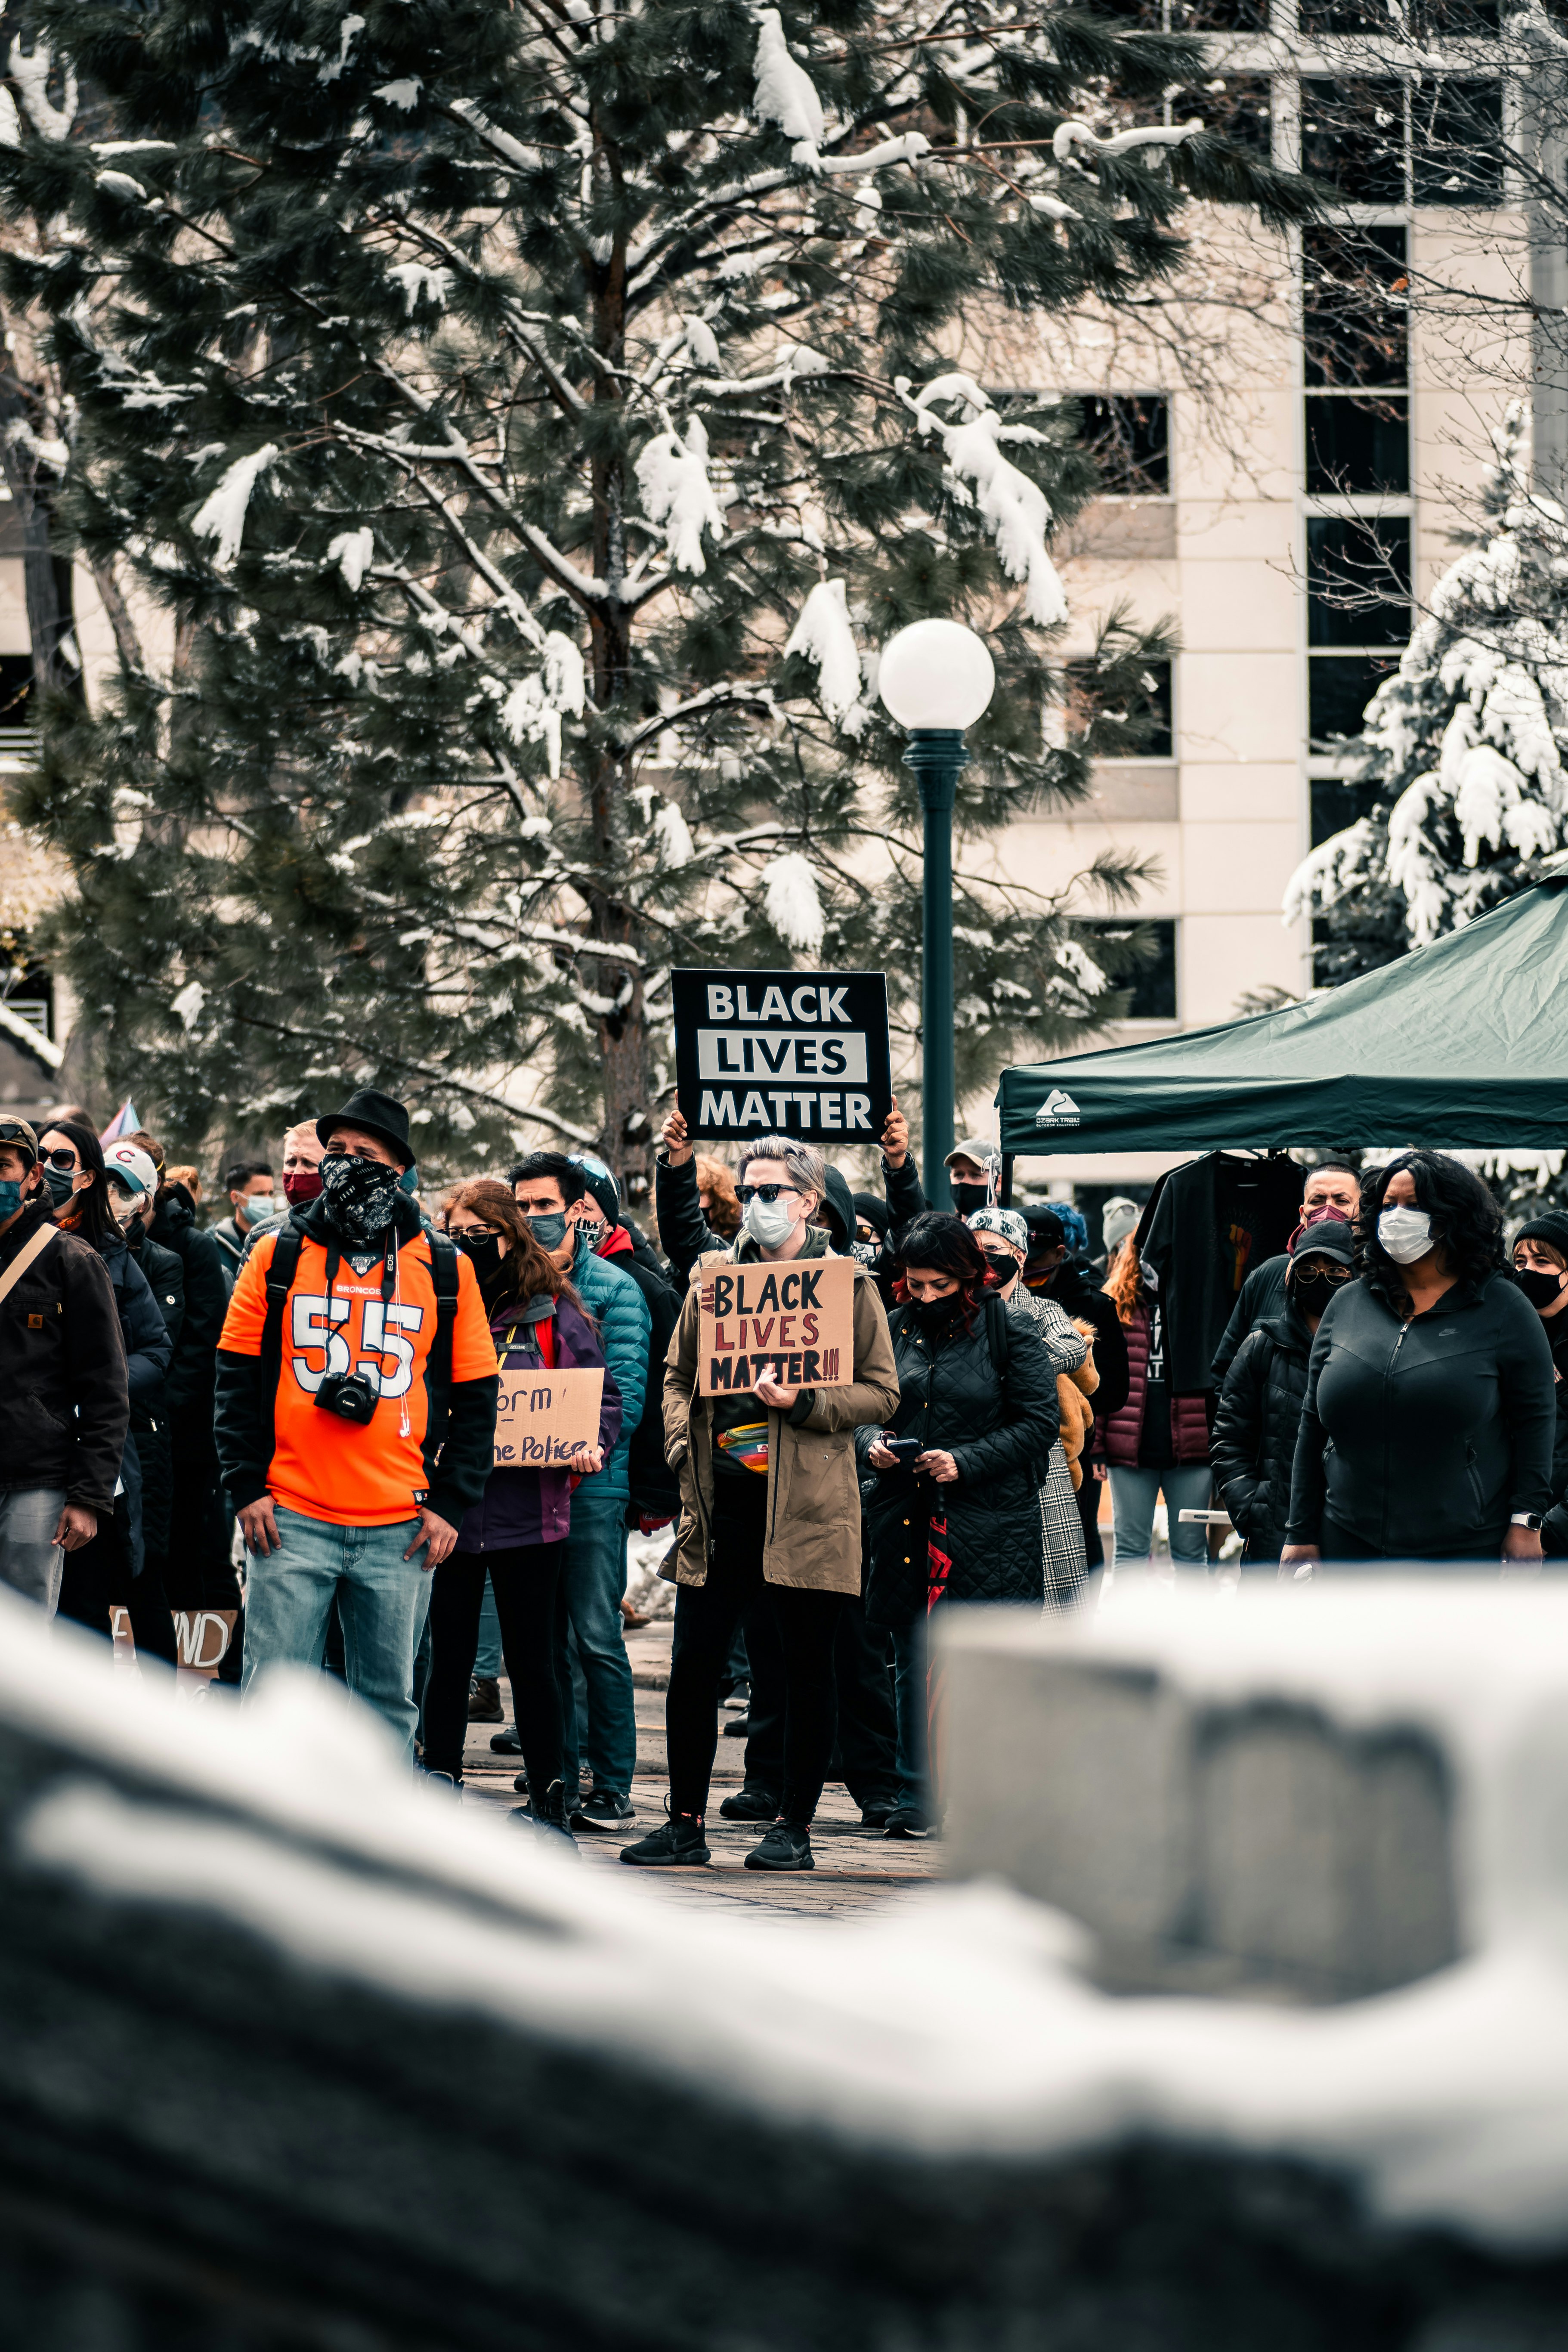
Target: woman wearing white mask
(770,1513)
(1427,1423)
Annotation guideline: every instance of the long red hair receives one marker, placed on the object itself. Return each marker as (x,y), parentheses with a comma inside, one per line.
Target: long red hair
(1124,1284)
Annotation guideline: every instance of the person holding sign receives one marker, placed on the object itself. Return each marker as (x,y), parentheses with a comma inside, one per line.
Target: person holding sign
(771,1512)
(519,1531)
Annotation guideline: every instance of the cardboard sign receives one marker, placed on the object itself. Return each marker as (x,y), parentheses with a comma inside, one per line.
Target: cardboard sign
(544,1418)
(792,1322)
(202,1637)
(783,1053)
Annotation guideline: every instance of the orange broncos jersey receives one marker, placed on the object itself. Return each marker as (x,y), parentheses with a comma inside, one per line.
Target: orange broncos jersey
(331,1469)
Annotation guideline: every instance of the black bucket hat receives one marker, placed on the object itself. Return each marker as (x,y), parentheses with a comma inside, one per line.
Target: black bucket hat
(378,1114)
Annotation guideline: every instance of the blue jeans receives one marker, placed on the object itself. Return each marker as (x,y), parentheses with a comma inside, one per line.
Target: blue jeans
(592,1585)
(31,1562)
(383,1601)
(488,1657)
(909,1768)
(1133,1495)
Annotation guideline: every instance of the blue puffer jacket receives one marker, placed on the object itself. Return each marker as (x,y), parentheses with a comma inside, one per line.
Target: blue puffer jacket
(620,1310)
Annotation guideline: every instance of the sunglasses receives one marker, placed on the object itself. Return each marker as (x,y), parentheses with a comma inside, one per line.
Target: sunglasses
(65,1157)
(746,1193)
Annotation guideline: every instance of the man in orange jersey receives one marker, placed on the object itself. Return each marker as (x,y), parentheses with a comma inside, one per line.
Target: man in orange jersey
(356,1403)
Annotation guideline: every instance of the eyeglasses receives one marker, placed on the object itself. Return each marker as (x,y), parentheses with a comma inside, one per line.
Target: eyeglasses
(63,1158)
(747,1194)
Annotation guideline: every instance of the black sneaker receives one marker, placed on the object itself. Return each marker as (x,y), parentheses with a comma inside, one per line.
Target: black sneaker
(738,1727)
(680,1839)
(507,1743)
(787,1846)
(751,1804)
(906,1821)
(739,1700)
(874,1814)
(603,1809)
(484,1700)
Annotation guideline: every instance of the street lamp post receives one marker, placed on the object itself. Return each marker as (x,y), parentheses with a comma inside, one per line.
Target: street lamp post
(936,678)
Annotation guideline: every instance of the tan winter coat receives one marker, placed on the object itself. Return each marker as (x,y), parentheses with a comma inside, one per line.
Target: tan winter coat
(1073,1392)
(813,1492)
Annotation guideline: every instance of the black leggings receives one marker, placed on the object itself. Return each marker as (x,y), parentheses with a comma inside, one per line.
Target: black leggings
(97,1577)
(706,1616)
(524,1580)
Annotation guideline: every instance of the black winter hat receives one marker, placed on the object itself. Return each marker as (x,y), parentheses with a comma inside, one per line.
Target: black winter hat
(378,1114)
(601,1186)
(1552,1227)
(874,1209)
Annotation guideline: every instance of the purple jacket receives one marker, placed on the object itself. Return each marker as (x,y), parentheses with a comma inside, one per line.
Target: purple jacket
(532,1506)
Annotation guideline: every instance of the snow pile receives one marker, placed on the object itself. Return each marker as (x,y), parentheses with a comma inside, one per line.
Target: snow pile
(673,834)
(955,2024)
(1465,742)
(421,282)
(793,908)
(31,76)
(672,476)
(353,551)
(222,515)
(822,636)
(533,711)
(1015,509)
(785,93)
(646,1590)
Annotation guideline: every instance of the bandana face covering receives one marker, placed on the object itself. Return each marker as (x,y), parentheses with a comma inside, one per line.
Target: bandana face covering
(360,1194)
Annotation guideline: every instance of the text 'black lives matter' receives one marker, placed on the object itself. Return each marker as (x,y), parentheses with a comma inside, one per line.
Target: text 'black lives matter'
(783,1053)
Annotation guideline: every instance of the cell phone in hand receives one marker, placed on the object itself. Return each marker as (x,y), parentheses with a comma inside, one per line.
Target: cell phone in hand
(903,1449)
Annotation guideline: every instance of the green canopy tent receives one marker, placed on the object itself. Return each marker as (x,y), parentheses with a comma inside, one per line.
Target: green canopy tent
(1464,1043)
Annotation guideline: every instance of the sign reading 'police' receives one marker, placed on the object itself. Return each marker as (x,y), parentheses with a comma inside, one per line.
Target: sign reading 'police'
(783,1053)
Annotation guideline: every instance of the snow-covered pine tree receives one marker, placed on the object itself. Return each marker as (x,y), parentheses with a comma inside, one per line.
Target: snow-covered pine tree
(533,418)
(1463,745)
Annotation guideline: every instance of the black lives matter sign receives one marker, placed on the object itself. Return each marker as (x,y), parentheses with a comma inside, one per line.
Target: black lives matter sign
(783,1053)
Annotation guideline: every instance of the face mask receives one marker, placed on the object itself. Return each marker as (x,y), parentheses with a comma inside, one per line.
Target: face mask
(483,1250)
(1405,1234)
(594,1235)
(999,1270)
(769,1223)
(360,1194)
(549,1231)
(259,1206)
(935,1314)
(967,1198)
(127,1215)
(1541,1289)
(10,1196)
(304,1185)
(1313,1291)
(61,1183)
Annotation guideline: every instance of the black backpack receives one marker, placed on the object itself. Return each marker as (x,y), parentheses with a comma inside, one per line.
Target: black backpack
(282,1269)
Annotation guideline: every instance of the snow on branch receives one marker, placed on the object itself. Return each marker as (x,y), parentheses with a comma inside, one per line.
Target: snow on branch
(785,93)
(353,551)
(421,282)
(1076,134)
(31,76)
(792,903)
(1016,509)
(533,710)
(222,516)
(822,636)
(677,495)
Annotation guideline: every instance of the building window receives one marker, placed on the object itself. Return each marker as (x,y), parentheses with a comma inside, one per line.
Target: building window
(1339,689)
(1355,311)
(16,690)
(1127,435)
(1353,137)
(1357,444)
(1238,107)
(1336,805)
(1358,580)
(1455,146)
(1153,981)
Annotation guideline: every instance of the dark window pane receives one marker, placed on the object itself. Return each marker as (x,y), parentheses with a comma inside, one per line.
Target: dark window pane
(1153,981)
(1337,805)
(1236,106)
(15,690)
(1358,581)
(1340,687)
(1355,310)
(1127,435)
(1457,141)
(1142,16)
(1456,19)
(1219,15)
(1357,444)
(1343,15)
(1353,138)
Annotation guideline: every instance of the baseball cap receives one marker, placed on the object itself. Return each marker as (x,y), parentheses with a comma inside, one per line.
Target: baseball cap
(18,1131)
(975,1148)
(1327,1237)
(130,1166)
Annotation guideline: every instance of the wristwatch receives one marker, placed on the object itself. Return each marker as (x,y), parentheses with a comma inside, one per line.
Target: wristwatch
(1531,1520)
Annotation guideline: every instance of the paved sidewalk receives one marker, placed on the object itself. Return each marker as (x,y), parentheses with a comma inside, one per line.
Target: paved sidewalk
(857,1870)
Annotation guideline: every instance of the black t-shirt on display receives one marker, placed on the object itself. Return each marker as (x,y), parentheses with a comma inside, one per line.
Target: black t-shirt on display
(1156,1449)
(1204,1229)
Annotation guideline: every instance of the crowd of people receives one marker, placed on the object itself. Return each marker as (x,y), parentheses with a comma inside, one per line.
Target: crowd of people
(319,1370)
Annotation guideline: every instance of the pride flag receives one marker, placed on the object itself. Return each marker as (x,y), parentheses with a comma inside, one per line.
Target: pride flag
(124,1122)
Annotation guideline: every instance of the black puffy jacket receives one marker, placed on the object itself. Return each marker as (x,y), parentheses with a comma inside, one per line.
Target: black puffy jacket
(1421,1439)
(999,1426)
(1253,1445)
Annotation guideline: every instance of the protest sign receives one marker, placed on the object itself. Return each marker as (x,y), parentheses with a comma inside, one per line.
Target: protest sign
(792,1321)
(201,1638)
(802,1054)
(544,1418)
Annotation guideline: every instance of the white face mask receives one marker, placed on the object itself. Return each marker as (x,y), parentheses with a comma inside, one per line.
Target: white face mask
(1405,1234)
(769,1223)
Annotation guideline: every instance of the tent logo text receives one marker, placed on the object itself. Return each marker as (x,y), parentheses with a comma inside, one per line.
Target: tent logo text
(1058,1110)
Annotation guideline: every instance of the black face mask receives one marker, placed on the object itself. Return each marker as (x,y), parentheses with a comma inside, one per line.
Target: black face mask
(1312,1290)
(999,1270)
(967,1198)
(1541,1289)
(359,1194)
(483,1250)
(936,1314)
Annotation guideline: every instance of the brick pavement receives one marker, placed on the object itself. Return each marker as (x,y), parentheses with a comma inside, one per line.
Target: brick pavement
(857,1870)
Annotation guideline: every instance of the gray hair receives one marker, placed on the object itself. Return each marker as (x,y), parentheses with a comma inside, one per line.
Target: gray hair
(807,1168)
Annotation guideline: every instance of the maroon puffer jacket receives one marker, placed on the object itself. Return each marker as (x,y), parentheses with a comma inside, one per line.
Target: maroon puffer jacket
(1189,1420)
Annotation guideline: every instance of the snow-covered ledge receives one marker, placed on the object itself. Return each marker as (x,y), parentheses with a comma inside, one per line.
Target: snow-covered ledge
(285,2037)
